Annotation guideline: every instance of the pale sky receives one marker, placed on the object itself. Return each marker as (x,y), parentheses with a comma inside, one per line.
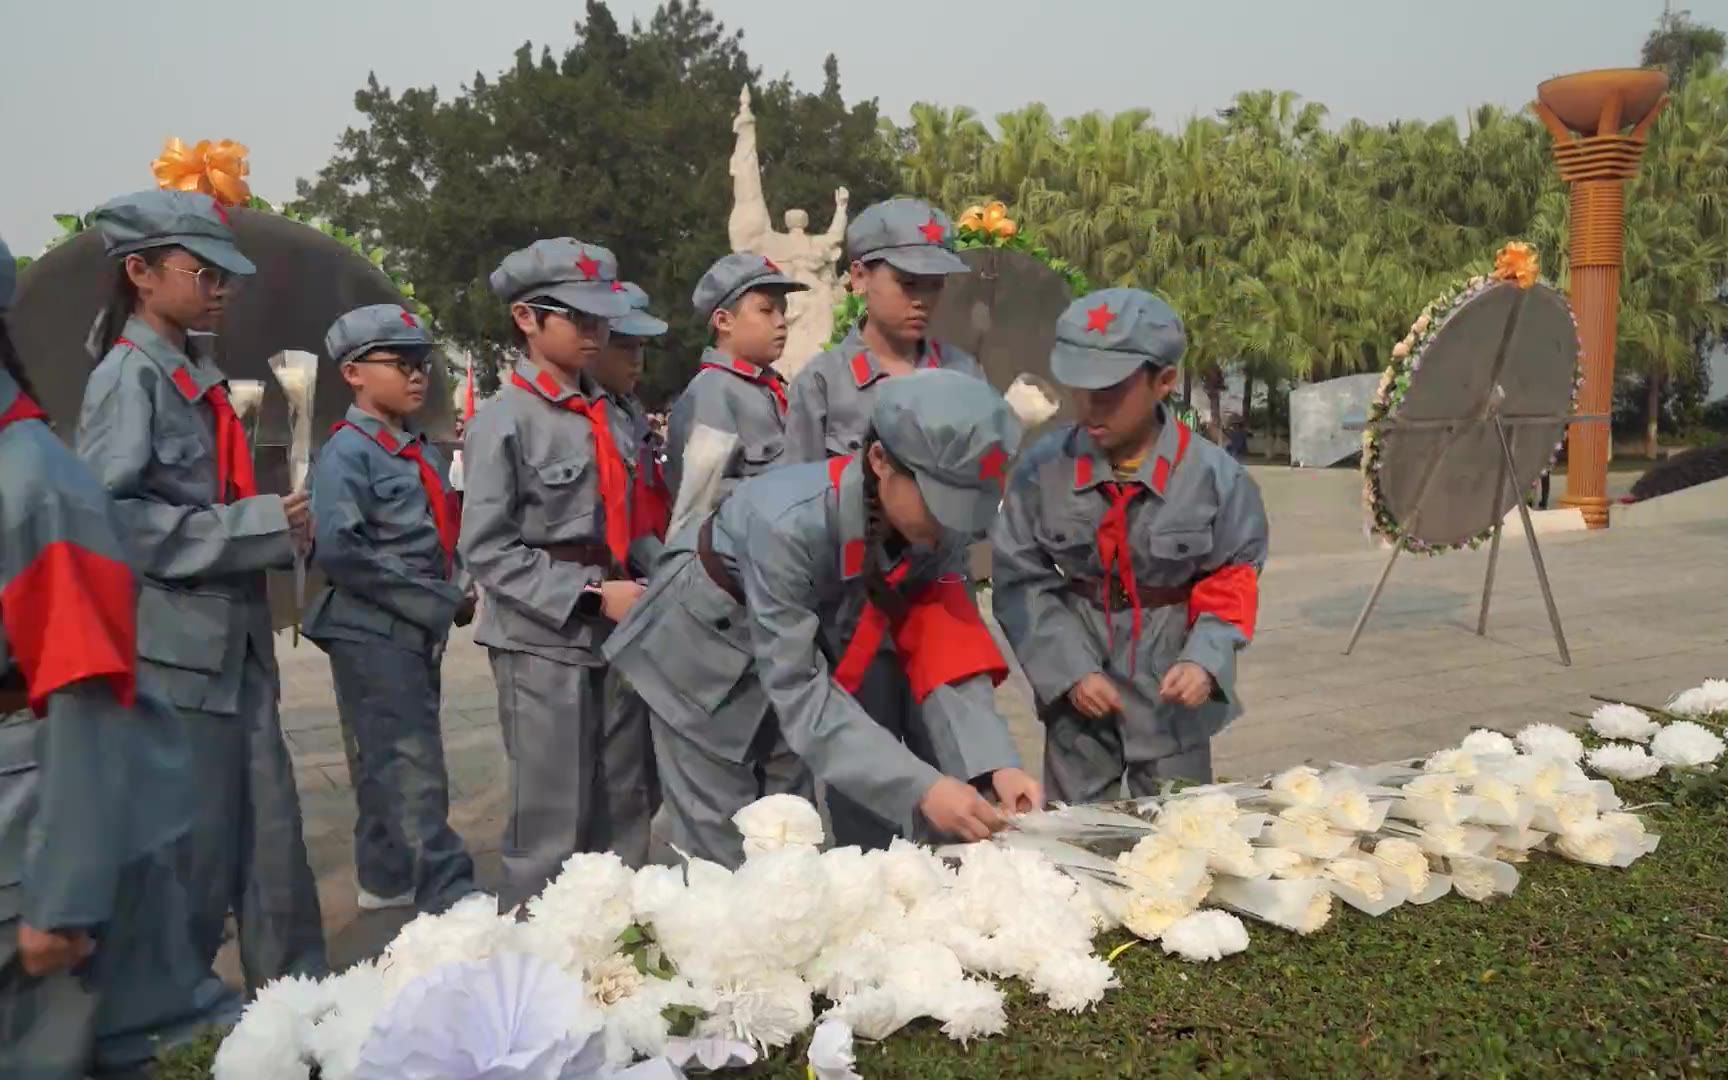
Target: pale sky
(89,89)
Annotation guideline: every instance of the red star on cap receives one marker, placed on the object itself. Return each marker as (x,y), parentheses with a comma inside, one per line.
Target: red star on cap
(587,266)
(932,230)
(769,263)
(1098,319)
(221,211)
(408,320)
(617,286)
(990,465)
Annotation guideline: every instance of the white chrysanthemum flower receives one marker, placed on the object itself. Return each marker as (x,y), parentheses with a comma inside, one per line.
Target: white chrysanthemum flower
(1623,722)
(1151,912)
(855,890)
(1206,935)
(1569,810)
(1478,879)
(577,918)
(1432,797)
(1317,914)
(1299,786)
(1158,864)
(1347,806)
(1197,821)
(1459,763)
(1685,745)
(1592,842)
(359,996)
(1484,742)
(271,1040)
(768,1010)
(1306,831)
(1541,776)
(652,890)
(1276,862)
(471,929)
(971,1009)
(1497,801)
(1072,983)
(1710,699)
(613,979)
(1355,874)
(1551,741)
(1439,839)
(779,821)
(1405,860)
(1231,854)
(873,1013)
(1623,761)
(911,873)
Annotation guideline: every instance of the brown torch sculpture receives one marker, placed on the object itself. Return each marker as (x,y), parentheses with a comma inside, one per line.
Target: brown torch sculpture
(1586,113)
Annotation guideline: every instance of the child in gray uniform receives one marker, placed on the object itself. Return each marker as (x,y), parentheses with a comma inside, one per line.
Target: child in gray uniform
(546,533)
(157,428)
(386,541)
(1127,558)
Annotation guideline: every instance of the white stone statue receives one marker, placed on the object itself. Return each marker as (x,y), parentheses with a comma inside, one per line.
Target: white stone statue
(806,259)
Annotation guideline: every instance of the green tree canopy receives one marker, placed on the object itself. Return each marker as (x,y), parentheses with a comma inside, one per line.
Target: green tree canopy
(622,141)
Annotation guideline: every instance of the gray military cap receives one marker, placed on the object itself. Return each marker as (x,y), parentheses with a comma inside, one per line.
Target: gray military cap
(185,219)
(910,233)
(376,326)
(957,435)
(1108,335)
(733,276)
(8,276)
(637,322)
(578,275)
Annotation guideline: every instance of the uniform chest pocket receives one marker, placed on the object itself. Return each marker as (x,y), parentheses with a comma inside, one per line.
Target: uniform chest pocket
(1070,536)
(178,451)
(565,496)
(392,489)
(1179,545)
(759,456)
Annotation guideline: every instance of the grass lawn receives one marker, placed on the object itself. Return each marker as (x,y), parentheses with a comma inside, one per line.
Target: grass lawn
(1581,970)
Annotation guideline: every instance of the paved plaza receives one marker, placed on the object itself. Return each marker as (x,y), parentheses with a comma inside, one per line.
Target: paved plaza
(1644,604)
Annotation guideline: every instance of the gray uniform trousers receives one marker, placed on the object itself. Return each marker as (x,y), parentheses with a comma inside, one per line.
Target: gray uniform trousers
(1085,760)
(388,698)
(246,853)
(140,991)
(887,697)
(578,771)
(704,790)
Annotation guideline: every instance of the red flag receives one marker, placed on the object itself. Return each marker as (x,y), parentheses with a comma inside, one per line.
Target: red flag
(468,394)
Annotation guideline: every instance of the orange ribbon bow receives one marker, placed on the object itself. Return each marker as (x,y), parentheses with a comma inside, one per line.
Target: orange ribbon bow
(216,168)
(1517,262)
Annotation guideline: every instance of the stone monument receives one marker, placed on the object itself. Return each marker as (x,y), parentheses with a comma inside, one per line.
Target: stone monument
(805,258)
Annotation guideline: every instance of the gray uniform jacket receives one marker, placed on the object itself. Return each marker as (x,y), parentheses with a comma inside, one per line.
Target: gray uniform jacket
(92,780)
(728,396)
(828,412)
(714,669)
(1198,522)
(147,432)
(388,578)
(532,481)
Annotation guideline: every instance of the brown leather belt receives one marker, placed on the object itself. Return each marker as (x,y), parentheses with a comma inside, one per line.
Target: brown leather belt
(1151,596)
(585,554)
(713,564)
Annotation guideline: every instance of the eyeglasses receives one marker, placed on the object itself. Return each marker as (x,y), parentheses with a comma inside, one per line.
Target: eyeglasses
(406,365)
(579,318)
(209,278)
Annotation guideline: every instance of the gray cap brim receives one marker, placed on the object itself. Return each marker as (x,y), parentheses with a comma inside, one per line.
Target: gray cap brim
(967,511)
(411,345)
(1082,368)
(596,299)
(927,259)
(779,283)
(638,324)
(216,253)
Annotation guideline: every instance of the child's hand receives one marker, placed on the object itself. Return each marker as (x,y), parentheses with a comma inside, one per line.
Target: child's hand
(465,609)
(1186,683)
(1016,791)
(618,597)
(1096,696)
(956,809)
(44,952)
(298,509)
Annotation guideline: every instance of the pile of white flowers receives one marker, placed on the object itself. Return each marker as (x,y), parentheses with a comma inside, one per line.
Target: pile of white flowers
(734,962)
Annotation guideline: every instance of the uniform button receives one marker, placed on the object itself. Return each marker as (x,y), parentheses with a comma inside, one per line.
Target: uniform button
(854,444)
(1061,538)
(1182,549)
(722,623)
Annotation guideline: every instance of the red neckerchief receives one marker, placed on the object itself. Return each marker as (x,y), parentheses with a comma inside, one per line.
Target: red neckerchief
(873,622)
(765,376)
(444,516)
(234,479)
(614,476)
(22,408)
(1112,536)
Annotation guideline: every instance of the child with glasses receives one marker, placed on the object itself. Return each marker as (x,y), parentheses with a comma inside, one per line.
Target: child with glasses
(546,533)
(386,542)
(158,429)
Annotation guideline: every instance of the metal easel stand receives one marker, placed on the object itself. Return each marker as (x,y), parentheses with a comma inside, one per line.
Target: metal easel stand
(1507,470)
